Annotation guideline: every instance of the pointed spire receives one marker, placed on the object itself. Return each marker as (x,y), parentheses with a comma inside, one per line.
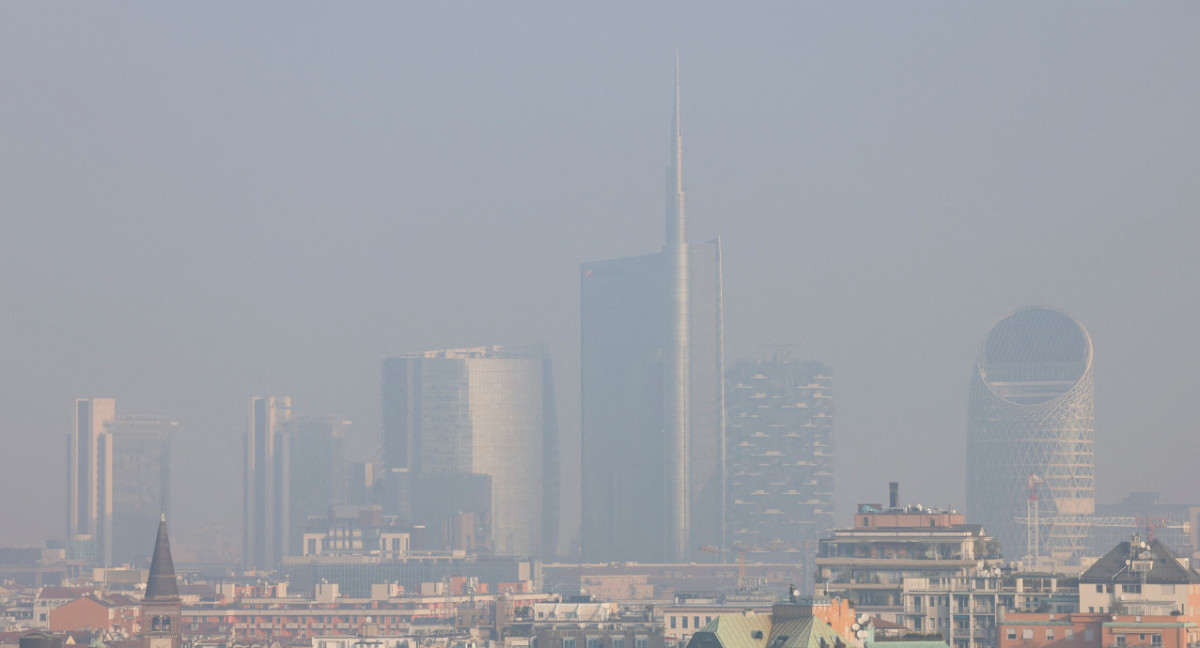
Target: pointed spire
(161,585)
(676,216)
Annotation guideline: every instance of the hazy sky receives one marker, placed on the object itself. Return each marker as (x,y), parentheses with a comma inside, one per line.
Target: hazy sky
(203,202)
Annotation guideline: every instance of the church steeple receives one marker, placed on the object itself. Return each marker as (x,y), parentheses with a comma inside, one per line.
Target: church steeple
(162,585)
(162,609)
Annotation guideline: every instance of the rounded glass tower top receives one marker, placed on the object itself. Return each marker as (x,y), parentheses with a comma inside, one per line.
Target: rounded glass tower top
(1034,355)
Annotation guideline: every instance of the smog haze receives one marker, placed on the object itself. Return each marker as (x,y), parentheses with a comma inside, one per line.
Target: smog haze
(205,202)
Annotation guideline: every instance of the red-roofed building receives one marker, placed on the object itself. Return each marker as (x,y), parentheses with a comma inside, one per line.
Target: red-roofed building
(114,614)
(49,598)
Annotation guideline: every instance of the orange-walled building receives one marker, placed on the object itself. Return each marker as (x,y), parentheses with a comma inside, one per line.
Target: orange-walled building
(1095,630)
(114,613)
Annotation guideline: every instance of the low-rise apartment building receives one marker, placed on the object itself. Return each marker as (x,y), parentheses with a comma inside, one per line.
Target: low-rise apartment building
(966,610)
(1096,630)
(1140,578)
(868,563)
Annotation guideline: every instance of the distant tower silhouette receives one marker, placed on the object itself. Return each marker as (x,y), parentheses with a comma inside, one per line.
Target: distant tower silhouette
(161,607)
(118,480)
(265,503)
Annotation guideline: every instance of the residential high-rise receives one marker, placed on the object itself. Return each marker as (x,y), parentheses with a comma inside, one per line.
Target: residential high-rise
(1030,440)
(474,428)
(265,506)
(779,457)
(118,479)
(652,406)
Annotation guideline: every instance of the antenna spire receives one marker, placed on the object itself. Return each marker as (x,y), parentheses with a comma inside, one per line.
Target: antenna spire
(676,216)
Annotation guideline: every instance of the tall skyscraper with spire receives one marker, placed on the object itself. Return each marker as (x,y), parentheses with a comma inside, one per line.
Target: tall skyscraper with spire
(652,410)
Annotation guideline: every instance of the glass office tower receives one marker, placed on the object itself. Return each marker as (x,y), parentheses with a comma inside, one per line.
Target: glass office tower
(1030,442)
(453,416)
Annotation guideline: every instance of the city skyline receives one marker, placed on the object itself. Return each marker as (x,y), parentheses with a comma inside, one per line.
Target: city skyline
(236,218)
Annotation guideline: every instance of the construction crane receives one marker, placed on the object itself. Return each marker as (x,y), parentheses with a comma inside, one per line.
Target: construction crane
(782,352)
(1142,522)
(1032,528)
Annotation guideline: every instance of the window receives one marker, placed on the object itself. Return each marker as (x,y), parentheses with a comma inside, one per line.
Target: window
(673,622)
(593,641)
(1070,633)
(1049,634)
(618,642)
(1011,633)
(685,623)
(641,641)
(1155,640)
(568,642)
(696,622)
(1027,633)
(1132,589)
(1120,640)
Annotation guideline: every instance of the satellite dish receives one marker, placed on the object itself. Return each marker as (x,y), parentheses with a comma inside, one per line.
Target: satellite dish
(861,634)
(855,627)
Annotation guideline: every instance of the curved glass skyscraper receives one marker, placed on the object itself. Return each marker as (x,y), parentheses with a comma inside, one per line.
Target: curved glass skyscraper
(1031,435)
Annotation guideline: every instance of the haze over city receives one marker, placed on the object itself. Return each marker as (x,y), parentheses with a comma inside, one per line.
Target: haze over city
(206,203)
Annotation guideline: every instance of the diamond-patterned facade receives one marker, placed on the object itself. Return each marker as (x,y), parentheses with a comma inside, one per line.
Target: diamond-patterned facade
(1031,413)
